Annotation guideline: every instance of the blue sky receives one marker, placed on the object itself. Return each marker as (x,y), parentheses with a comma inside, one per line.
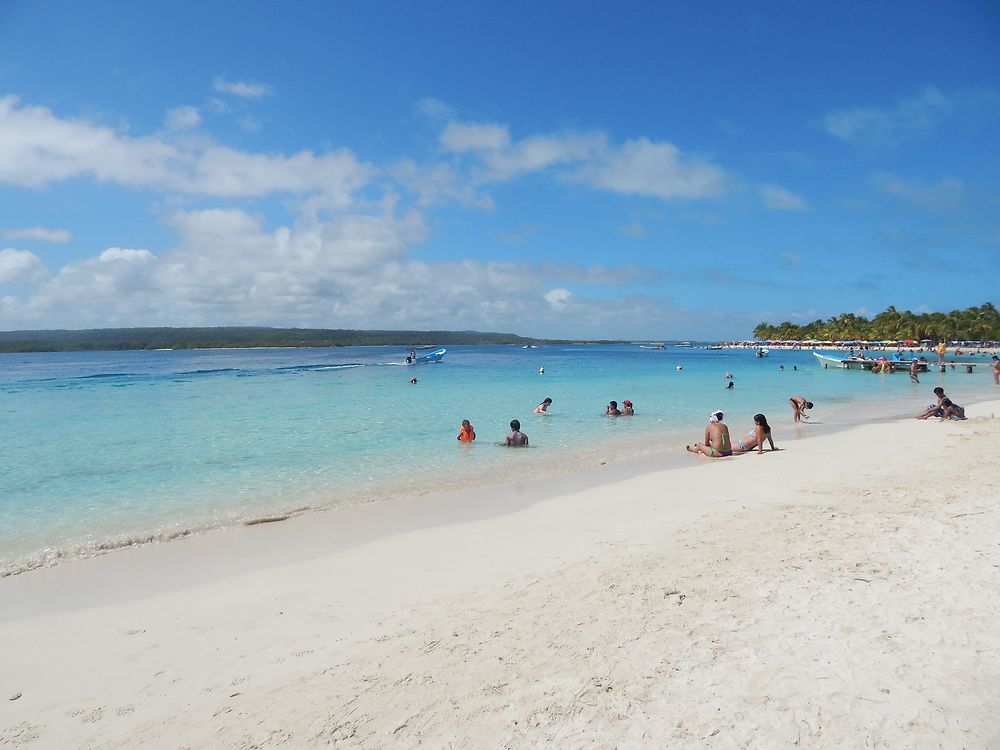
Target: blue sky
(644,170)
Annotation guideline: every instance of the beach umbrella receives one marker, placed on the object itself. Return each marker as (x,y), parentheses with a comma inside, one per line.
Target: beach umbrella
(908,341)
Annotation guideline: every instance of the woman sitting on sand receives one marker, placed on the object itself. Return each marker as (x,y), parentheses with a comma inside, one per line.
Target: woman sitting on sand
(755,439)
(717,443)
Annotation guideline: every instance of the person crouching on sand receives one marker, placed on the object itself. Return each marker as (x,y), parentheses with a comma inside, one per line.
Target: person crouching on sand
(755,439)
(717,443)
(468,433)
(515,438)
(799,406)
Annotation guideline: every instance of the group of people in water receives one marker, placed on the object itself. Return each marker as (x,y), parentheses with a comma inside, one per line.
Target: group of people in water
(517,439)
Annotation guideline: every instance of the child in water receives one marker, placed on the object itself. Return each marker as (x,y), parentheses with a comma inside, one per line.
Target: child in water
(468,433)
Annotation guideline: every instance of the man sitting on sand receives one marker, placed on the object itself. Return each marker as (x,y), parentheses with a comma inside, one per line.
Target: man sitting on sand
(799,406)
(515,438)
(717,443)
(934,410)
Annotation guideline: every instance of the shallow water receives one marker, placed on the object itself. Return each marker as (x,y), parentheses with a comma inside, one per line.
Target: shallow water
(113,448)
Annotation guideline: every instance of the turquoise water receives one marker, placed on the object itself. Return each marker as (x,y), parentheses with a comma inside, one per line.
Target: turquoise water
(106,449)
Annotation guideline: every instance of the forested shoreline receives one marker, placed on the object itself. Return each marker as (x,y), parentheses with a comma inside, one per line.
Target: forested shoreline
(972,324)
(118,339)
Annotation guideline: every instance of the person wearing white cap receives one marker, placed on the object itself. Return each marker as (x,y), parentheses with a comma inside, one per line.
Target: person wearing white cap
(717,443)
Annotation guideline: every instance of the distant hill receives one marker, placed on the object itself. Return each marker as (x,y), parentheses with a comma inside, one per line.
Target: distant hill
(116,339)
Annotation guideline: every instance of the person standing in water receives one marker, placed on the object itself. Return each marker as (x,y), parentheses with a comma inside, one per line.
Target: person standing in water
(515,438)
(717,443)
(468,433)
(543,408)
(799,406)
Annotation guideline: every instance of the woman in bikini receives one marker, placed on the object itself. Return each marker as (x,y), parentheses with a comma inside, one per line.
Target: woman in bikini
(755,439)
(717,443)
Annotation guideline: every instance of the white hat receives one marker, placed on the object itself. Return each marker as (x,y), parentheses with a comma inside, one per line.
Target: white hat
(716,416)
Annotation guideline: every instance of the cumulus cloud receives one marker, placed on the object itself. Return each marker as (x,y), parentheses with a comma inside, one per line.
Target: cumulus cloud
(643,167)
(243,89)
(351,271)
(38,234)
(773,196)
(183,118)
(557,297)
(38,148)
(636,167)
(20,267)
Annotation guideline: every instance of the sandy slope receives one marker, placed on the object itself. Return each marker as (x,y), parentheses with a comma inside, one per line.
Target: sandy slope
(840,593)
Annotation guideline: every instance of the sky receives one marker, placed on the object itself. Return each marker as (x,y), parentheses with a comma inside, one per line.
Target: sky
(643,170)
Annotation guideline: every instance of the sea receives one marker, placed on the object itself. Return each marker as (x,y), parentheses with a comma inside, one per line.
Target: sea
(103,450)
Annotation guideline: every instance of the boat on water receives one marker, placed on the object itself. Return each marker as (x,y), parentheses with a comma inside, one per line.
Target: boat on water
(425,359)
(894,364)
(652,346)
(714,347)
(683,343)
(529,346)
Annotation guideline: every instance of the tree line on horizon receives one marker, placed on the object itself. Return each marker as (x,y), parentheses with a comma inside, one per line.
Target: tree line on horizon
(121,339)
(972,324)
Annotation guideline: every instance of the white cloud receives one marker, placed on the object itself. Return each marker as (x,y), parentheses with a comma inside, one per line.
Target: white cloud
(125,255)
(38,234)
(557,297)
(435,184)
(38,148)
(351,271)
(20,267)
(244,89)
(637,167)
(434,109)
(909,117)
(183,118)
(642,167)
(461,137)
(780,199)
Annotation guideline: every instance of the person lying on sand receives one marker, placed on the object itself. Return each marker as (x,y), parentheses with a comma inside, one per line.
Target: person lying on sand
(755,439)
(717,443)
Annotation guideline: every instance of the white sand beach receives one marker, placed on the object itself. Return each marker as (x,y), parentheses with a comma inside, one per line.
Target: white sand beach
(841,592)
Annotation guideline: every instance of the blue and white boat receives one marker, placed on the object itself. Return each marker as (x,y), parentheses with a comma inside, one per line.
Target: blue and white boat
(426,359)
